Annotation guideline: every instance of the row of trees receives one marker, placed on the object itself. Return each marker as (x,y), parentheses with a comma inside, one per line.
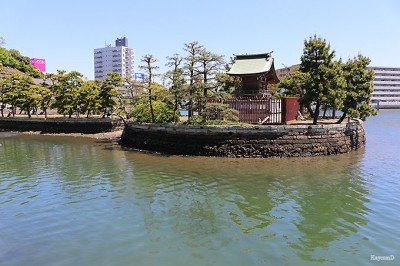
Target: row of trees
(325,82)
(190,79)
(198,74)
(66,92)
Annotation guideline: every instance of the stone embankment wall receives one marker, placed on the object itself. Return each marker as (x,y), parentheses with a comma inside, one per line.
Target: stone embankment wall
(59,125)
(249,141)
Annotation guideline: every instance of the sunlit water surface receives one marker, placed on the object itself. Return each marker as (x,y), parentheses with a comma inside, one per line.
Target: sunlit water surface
(77,201)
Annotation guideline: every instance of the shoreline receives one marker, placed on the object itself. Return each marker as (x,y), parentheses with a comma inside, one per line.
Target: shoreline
(112,136)
(258,141)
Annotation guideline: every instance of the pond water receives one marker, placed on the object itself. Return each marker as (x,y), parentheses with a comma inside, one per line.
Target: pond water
(78,201)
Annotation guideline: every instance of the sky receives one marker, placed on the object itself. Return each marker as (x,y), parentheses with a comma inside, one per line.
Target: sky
(65,32)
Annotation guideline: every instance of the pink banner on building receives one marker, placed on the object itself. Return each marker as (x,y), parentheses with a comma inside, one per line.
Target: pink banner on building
(39,63)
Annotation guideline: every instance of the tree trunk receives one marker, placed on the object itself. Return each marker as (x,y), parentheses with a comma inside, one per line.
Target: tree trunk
(324,115)
(45,113)
(308,106)
(190,106)
(342,117)
(316,114)
(151,106)
(175,106)
(333,113)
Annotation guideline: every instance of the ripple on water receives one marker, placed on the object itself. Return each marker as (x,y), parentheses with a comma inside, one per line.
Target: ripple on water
(76,202)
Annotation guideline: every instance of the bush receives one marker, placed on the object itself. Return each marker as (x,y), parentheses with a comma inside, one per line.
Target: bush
(163,112)
(219,111)
(195,120)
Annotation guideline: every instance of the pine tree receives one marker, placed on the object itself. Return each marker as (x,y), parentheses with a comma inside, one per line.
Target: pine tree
(318,62)
(358,88)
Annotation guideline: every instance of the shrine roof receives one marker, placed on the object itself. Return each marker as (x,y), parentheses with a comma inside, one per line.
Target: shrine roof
(251,64)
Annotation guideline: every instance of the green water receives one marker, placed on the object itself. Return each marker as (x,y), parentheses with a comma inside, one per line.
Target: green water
(76,201)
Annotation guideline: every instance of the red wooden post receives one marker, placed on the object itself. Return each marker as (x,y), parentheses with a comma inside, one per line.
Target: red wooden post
(290,106)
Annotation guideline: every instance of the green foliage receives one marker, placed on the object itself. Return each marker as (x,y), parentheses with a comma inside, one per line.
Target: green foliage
(195,120)
(293,84)
(149,67)
(358,89)
(16,91)
(176,81)
(225,85)
(67,92)
(89,97)
(163,112)
(45,96)
(108,92)
(219,111)
(325,82)
(13,59)
(317,62)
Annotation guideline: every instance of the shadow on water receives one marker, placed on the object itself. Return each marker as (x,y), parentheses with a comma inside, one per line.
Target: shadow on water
(246,205)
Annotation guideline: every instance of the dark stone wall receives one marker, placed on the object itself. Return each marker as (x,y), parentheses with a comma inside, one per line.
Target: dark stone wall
(59,125)
(252,141)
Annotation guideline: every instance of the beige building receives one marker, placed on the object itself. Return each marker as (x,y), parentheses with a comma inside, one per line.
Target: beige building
(281,72)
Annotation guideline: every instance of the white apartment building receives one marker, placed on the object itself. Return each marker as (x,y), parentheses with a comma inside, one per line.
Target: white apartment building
(119,59)
(386,92)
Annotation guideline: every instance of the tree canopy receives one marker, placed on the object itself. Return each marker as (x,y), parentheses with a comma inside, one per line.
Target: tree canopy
(321,80)
(13,59)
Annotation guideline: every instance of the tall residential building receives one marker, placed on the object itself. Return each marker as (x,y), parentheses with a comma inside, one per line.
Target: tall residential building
(119,59)
(386,87)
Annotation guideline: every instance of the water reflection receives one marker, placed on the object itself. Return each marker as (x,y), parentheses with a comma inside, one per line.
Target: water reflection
(181,204)
(325,198)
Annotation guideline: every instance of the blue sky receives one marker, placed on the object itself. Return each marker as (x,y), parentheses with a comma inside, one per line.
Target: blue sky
(66,32)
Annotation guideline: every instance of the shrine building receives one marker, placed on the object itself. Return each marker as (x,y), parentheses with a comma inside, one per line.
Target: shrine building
(256,71)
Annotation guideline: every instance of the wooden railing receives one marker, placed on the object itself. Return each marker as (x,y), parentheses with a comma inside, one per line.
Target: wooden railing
(255,109)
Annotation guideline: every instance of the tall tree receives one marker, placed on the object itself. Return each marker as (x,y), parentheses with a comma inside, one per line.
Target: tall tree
(108,92)
(89,97)
(149,67)
(5,86)
(45,97)
(358,88)
(176,79)
(210,64)
(28,96)
(317,61)
(18,92)
(67,89)
(191,68)
(47,90)
(134,90)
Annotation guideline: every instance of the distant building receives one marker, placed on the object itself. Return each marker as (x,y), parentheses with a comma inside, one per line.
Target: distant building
(281,72)
(119,59)
(39,63)
(386,87)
